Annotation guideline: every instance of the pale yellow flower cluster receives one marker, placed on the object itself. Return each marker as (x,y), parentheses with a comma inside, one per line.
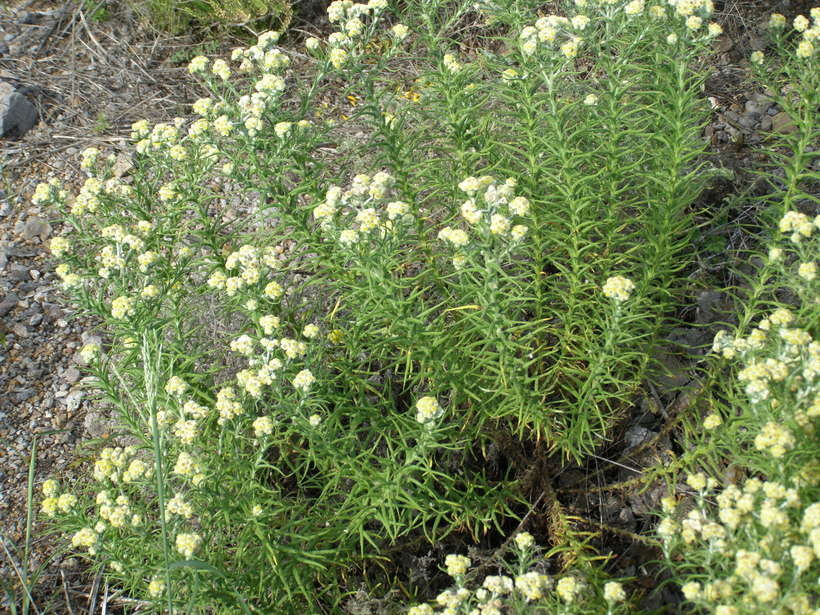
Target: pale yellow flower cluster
(179,506)
(249,265)
(117,512)
(798,225)
(187,544)
(428,410)
(54,502)
(533,585)
(188,467)
(618,288)
(767,542)
(793,369)
(48,193)
(498,593)
(156,587)
(352,19)
(266,63)
(363,212)
(161,137)
(68,277)
(810,31)
(550,30)
(490,210)
(456,565)
(113,462)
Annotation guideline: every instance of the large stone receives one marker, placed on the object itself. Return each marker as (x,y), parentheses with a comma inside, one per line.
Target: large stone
(17,114)
(36,227)
(782,123)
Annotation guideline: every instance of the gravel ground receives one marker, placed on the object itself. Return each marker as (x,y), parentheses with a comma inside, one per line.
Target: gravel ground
(90,80)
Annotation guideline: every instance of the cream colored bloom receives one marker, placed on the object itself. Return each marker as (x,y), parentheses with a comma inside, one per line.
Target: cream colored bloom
(427,409)
(614,592)
(186,430)
(712,421)
(807,271)
(456,565)
(49,506)
(776,20)
(570,48)
(262,426)
(66,502)
(198,65)
(457,237)
(178,506)
(567,589)
(86,537)
(805,49)
(303,380)
(499,225)
(397,209)
(691,590)
(618,288)
(50,488)
(310,331)
(175,386)
(634,7)
(273,290)
(693,22)
(714,29)
(338,57)
(243,345)
(156,587)
(122,307)
(450,63)
(524,540)
(221,69)
(187,544)
(59,246)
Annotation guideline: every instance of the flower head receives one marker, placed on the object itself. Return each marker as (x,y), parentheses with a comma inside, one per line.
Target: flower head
(427,409)
(456,565)
(187,544)
(618,288)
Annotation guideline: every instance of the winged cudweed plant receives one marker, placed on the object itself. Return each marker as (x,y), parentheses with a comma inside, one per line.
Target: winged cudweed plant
(328,341)
(752,546)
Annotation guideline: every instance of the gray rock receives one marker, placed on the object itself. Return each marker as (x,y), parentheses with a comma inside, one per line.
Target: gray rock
(36,227)
(637,435)
(5,206)
(8,303)
(749,120)
(20,330)
(17,114)
(35,320)
(18,273)
(766,123)
(23,395)
(71,375)
(73,399)
(782,123)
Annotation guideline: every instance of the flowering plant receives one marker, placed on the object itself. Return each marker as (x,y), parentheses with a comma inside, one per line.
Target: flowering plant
(321,354)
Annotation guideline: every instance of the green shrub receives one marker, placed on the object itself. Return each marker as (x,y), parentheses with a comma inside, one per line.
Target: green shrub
(752,547)
(330,341)
(179,15)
